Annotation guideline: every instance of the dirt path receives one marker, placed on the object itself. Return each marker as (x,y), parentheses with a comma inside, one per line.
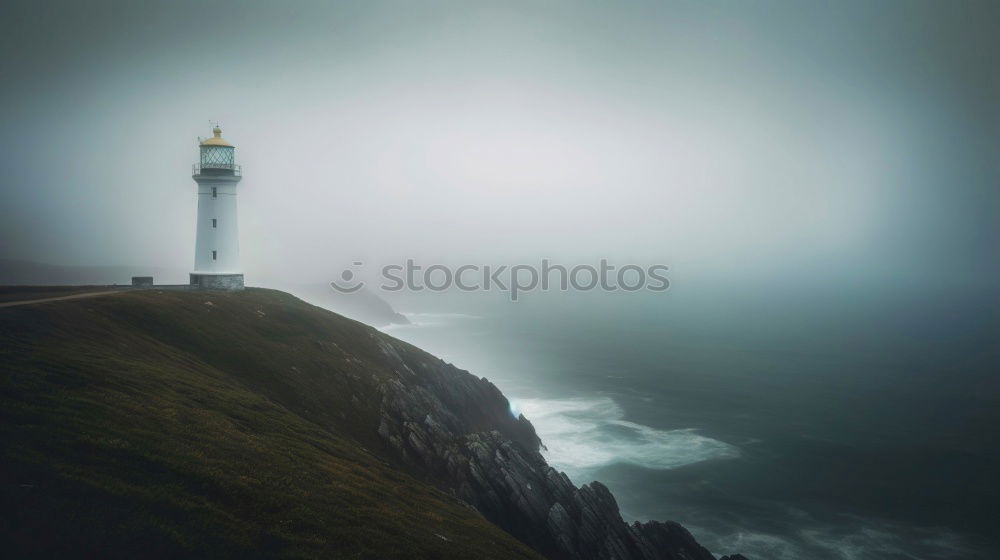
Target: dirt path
(71,296)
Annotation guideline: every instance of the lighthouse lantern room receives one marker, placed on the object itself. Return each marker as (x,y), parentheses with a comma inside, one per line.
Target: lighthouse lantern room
(217,244)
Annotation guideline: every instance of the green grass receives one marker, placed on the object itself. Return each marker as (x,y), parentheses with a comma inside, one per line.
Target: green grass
(169,424)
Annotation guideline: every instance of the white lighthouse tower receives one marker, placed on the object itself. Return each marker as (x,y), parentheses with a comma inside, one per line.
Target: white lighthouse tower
(217,248)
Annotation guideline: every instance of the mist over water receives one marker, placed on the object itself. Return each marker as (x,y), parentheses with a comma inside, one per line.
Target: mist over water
(817,432)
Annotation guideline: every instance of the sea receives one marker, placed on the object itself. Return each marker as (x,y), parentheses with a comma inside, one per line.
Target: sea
(786,426)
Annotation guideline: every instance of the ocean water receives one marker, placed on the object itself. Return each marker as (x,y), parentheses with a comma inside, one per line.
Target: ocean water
(782,431)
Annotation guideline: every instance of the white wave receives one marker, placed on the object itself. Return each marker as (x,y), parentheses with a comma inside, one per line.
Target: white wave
(588,433)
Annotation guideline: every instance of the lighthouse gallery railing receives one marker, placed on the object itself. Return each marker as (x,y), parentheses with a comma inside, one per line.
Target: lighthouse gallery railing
(215,168)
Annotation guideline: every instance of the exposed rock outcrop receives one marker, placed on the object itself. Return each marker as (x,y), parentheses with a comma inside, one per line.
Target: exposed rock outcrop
(458,431)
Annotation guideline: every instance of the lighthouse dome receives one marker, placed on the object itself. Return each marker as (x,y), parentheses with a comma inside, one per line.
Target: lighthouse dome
(217,155)
(216,139)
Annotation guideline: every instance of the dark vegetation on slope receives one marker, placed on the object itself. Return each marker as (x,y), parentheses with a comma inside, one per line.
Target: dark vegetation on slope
(253,424)
(213,425)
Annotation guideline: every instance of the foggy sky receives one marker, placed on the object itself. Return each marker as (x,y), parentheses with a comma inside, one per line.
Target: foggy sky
(722,138)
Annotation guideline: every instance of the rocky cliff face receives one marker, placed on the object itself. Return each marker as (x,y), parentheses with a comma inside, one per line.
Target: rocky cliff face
(458,431)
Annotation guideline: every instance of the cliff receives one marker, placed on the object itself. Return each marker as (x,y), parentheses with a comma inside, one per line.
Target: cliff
(457,430)
(254,424)
(363,305)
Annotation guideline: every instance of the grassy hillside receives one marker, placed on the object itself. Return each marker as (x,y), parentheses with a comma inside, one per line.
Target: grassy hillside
(166,424)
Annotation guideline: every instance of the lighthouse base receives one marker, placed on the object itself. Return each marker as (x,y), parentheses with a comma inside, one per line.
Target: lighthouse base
(229,282)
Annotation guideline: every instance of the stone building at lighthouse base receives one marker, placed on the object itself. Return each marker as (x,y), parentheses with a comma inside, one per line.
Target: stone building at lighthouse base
(205,281)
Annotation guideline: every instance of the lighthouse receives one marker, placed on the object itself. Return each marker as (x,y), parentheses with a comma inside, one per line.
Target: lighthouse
(217,246)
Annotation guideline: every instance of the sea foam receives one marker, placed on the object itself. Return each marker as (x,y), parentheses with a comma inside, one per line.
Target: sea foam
(583,434)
